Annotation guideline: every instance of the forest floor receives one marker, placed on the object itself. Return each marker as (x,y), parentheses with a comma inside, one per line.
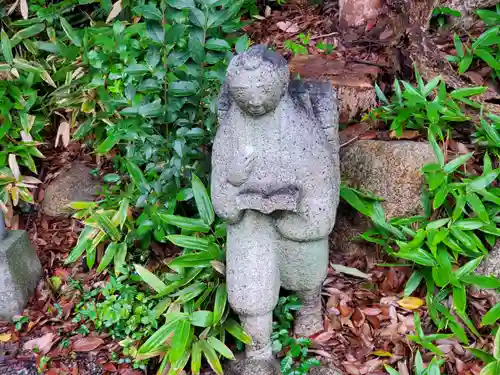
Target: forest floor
(367,330)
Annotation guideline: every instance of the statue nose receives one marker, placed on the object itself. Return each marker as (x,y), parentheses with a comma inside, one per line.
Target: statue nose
(256,103)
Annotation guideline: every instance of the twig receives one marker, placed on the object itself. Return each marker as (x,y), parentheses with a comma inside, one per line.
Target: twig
(349,141)
(322,36)
(368,63)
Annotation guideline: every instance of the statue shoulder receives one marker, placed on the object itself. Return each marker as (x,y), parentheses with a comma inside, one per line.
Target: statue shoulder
(223,103)
(320,100)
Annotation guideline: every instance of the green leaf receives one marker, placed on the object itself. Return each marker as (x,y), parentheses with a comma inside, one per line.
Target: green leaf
(468,224)
(183,88)
(436,148)
(161,335)
(492,368)
(155,31)
(193,225)
(490,36)
(7,48)
(180,340)
(351,197)
(459,206)
(431,85)
(482,182)
(459,298)
(220,303)
(202,318)
(196,358)
(149,12)
(181,4)
(120,257)
(217,45)
(459,47)
(150,278)
(70,32)
(79,249)
(108,143)
(491,316)
(419,256)
(220,347)
(135,174)
(467,268)
(478,207)
(485,282)
(465,63)
(235,330)
(192,260)
(109,254)
(107,227)
(496,347)
(488,58)
(437,223)
(380,94)
(390,370)
(211,356)
(413,283)
(481,354)
(120,216)
(196,49)
(467,91)
(242,44)
(203,203)
(189,242)
(197,17)
(455,163)
(27,33)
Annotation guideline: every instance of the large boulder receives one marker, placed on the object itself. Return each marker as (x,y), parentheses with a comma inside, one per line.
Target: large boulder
(390,170)
(73,184)
(20,271)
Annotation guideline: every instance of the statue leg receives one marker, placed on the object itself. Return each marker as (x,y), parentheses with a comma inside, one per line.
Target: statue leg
(303,268)
(253,285)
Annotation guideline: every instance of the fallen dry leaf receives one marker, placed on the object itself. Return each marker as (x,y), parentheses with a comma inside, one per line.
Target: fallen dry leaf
(43,343)
(87,344)
(4,337)
(382,353)
(406,134)
(411,303)
(288,27)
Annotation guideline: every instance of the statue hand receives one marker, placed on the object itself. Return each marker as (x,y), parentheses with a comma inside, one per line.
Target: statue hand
(240,169)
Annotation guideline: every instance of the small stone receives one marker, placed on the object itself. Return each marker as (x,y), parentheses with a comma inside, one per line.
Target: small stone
(388,169)
(20,271)
(74,184)
(491,266)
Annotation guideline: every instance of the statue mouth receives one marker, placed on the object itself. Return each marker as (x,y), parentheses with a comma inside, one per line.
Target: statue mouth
(257,110)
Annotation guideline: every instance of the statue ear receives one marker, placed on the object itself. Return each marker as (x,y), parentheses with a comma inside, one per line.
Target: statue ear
(224,102)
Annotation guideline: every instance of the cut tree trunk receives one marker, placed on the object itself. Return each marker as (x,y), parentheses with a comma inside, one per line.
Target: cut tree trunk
(353,81)
(356,13)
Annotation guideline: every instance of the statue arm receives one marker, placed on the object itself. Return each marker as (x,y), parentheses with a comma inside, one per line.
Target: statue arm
(315,215)
(223,193)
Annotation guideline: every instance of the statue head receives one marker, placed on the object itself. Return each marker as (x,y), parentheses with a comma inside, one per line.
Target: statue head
(257,80)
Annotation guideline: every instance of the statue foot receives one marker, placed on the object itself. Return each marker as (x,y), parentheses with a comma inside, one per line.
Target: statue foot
(252,366)
(308,324)
(309,318)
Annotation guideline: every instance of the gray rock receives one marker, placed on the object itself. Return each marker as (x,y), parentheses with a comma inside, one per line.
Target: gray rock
(488,267)
(275,179)
(73,184)
(390,170)
(20,271)
(491,264)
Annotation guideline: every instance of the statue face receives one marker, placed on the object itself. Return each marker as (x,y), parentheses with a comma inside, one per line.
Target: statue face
(257,91)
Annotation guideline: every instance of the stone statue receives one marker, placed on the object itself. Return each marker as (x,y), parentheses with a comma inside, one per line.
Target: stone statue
(275,180)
